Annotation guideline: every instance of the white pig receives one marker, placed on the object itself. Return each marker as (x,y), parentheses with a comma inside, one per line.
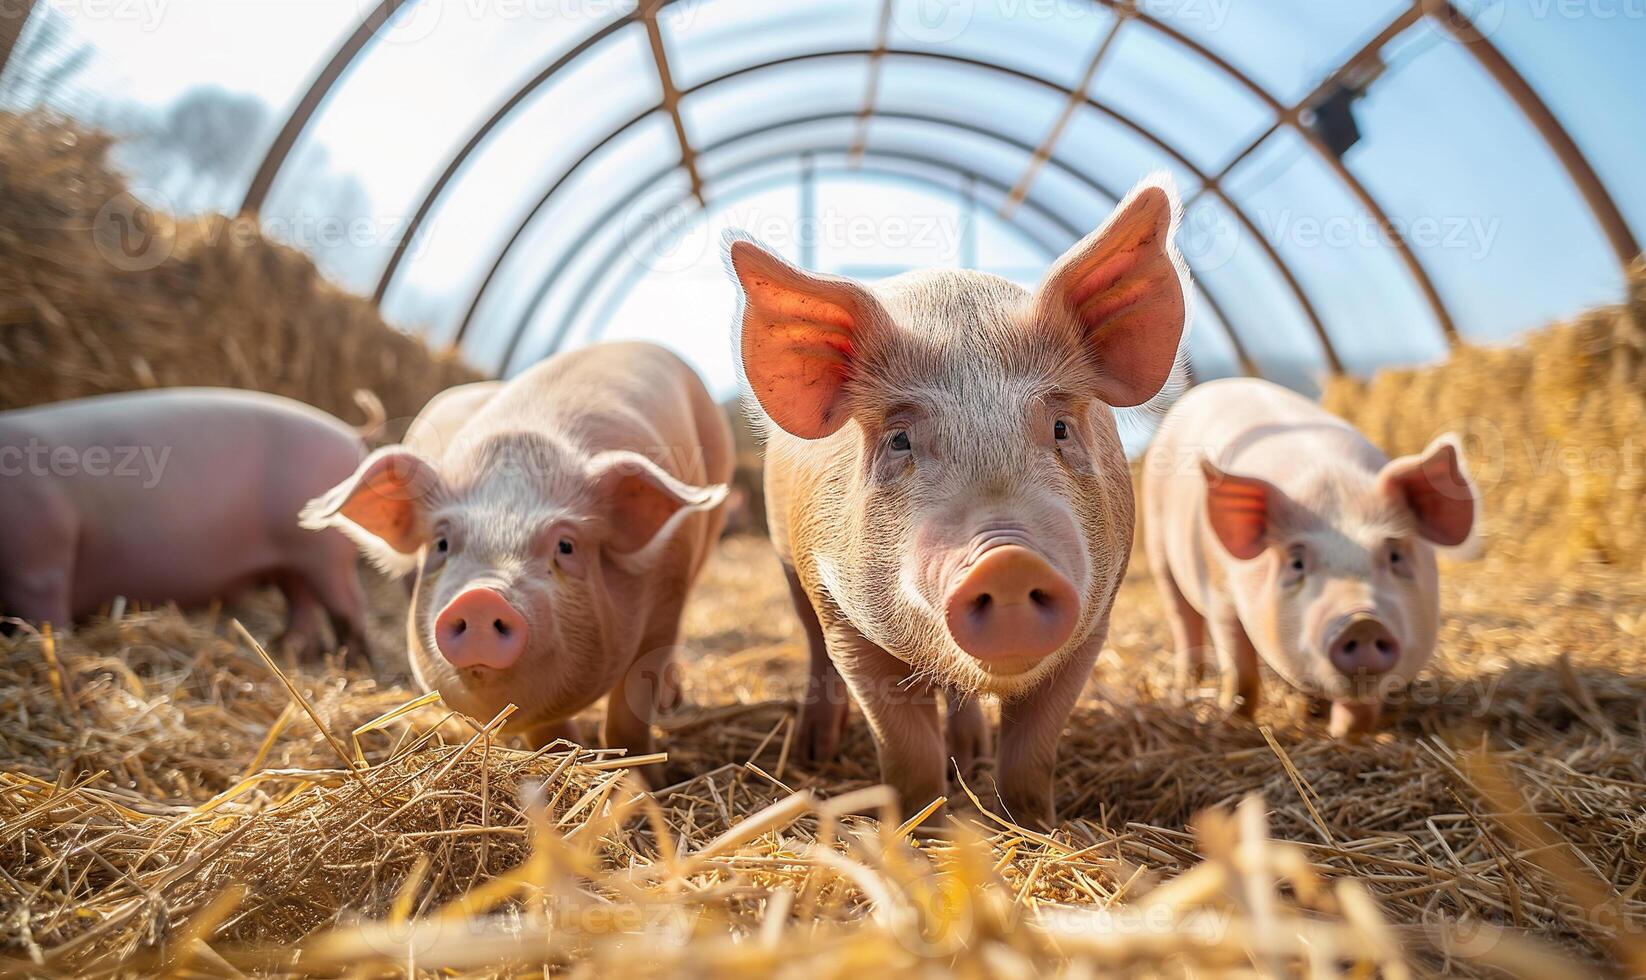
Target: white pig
(554,536)
(946,487)
(1284,533)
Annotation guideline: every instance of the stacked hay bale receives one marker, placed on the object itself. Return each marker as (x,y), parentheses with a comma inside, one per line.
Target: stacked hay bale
(1554,430)
(99,293)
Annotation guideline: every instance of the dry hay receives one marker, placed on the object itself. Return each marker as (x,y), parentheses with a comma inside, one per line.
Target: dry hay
(200,302)
(1554,429)
(166,805)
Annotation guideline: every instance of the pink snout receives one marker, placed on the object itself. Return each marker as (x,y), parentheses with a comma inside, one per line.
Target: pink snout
(480,628)
(1364,647)
(1011,607)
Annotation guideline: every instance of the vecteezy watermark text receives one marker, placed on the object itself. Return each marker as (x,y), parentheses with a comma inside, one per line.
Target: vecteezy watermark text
(35,458)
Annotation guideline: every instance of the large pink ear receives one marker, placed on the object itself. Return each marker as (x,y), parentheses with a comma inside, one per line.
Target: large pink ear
(384,506)
(642,501)
(799,335)
(1126,287)
(1439,493)
(1240,509)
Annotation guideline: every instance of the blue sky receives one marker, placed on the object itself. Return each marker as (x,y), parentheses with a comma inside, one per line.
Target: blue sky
(1491,214)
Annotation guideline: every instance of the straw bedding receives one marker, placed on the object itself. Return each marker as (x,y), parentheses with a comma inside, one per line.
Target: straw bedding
(173,801)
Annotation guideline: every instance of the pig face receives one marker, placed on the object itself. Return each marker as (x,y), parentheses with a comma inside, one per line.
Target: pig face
(975,512)
(1337,583)
(530,561)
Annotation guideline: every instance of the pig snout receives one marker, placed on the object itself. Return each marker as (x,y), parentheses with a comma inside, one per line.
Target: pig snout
(1363,646)
(480,628)
(1008,606)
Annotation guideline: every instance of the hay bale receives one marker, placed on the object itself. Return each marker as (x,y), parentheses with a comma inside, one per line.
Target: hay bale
(1554,428)
(100,294)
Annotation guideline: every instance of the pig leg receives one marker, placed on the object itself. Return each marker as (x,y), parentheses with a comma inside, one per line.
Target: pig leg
(38,586)
(1030,729)
(1188,632)
(908,735)
(1237,659)
(338,589)
(304,636)
(544,733)
(966,730)
(634,705)
(823,713)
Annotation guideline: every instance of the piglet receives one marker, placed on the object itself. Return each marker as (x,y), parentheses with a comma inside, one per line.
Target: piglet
(555,524)
(946,488)
(181,494)
(1285,534)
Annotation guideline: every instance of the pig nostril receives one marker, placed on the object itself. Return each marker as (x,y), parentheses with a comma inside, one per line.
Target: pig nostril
(1350,646)
(1384,646)
(459,627)
(501,628)
(982,602)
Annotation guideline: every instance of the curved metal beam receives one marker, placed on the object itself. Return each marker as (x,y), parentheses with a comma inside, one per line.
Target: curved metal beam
(611,259)
(600,222)
(1547,124)
(305,109)
(1246,363)
(1328,350)
(479,136)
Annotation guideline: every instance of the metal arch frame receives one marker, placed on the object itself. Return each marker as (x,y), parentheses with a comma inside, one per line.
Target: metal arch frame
(1299,294)
(1548,125)
(857,150)
(609,261)
(592,228)
(609,258)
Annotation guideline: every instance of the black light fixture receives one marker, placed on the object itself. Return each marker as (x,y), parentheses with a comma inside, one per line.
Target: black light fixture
(1330,116)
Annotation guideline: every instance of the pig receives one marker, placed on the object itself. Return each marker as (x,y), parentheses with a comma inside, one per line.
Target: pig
(946,488)
(1285,534)
(437,424)
(181,494)
(554,536)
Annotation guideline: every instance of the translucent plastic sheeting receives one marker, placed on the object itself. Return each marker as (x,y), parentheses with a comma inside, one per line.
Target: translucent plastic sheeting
(514,167)
(782,92)
(1507,239)
(835,133)
(415,94)
(141,59)
(706,38)
(1267,316)
(1016,108)
(1052,38)
(1092,135)
(1572,62)
(1286,46)
(1187,100)
(1370,304)
(584,202)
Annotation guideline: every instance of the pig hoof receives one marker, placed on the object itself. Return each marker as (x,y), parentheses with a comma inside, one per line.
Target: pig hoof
(1352,718)
(820,729)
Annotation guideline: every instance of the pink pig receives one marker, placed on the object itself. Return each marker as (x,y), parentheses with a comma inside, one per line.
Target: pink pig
(181,494)
(555,523)
(1280,530)
(947,491)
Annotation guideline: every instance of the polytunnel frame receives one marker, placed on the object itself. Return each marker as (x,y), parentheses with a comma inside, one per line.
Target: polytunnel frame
(1452,20)
(857,148)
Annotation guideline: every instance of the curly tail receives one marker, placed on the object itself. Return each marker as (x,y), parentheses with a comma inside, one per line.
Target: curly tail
(370,404)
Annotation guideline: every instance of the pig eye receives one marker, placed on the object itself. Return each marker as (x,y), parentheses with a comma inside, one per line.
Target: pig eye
(1296,564)
(900,441)
(1060,430)
(442,545)
(565,546)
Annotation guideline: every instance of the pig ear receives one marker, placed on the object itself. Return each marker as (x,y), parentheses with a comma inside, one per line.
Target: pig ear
(1126,287)
(643,504)
(1240,509)
(1438,492)
(799,334)
(384,506)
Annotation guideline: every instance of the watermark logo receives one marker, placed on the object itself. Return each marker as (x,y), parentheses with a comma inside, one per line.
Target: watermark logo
(131,234)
